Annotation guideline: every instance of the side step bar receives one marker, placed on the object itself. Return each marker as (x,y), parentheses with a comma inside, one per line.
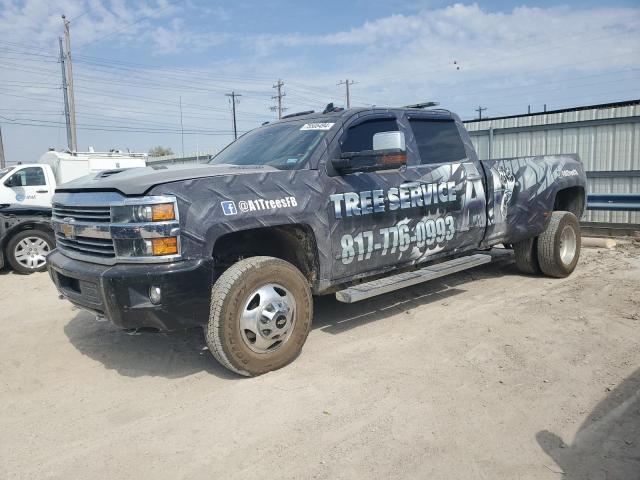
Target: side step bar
(403,280)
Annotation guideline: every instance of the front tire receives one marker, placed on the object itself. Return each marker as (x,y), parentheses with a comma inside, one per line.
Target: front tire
(260,317)
(27,251)
(559,245)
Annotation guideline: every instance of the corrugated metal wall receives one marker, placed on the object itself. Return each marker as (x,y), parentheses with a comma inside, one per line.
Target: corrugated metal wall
(607,140)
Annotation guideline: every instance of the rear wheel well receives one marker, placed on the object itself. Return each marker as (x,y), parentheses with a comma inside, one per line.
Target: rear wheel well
(570,200)
(294,243)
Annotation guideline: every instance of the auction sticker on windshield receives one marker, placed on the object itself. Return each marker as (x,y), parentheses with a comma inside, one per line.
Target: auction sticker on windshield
(317,126)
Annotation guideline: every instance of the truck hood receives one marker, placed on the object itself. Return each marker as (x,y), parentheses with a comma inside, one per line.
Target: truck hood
(138,181)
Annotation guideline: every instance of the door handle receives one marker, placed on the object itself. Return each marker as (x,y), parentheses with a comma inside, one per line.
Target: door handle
(42,191)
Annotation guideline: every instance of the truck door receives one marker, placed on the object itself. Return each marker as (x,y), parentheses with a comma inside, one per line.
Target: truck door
(28,186)
(444,160)
(387,218)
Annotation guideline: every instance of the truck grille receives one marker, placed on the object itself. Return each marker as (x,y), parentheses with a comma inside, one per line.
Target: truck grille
(93,214)
(95,247)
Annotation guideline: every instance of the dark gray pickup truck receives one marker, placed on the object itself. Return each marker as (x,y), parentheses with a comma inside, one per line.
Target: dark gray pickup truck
(354,202)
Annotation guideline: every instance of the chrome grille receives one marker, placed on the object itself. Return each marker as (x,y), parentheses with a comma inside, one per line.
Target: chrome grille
(93,214)
(96,247)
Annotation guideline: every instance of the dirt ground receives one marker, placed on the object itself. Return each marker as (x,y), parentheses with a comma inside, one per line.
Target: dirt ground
(487,374)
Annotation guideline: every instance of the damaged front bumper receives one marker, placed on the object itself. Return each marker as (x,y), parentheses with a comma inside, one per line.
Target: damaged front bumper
(121,292)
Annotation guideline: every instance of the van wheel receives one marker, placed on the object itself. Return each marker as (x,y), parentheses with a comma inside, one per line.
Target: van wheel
(526,256)
(27,251)
(559,245)
(261,311)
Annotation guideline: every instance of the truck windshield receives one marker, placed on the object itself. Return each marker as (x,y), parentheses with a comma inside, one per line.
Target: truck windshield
(4,171)
(285,146)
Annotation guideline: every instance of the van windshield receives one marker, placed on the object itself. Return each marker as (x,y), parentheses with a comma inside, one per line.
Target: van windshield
(286,146)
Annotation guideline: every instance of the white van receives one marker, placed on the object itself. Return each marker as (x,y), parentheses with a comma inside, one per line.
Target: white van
(35,184)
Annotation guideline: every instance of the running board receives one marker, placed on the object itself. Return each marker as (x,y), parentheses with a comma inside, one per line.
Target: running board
(403,280)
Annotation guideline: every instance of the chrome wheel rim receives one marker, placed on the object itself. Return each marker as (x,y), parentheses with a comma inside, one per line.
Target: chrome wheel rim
(568,245)
(31,252)
(268,317)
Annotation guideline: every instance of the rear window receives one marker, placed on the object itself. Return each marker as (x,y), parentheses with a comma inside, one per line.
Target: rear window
(438,141)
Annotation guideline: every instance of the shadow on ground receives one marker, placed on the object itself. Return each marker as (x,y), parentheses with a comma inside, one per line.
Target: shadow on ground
(170,355)
(179,354)
(607,446)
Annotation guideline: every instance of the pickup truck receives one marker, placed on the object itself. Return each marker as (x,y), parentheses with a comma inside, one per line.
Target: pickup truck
(35,183)
(26,237)
(353,202)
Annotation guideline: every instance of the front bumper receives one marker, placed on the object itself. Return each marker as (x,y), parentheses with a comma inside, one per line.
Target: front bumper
(121,292)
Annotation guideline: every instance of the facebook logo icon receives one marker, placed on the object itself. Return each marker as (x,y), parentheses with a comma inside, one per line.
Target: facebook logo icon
(229,208)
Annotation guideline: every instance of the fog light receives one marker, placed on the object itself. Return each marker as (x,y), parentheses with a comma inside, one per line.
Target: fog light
(155,294)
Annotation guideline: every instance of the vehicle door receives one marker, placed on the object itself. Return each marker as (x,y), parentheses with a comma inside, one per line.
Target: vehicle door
(372,212)
(454,215)
(6,194)
(28,186)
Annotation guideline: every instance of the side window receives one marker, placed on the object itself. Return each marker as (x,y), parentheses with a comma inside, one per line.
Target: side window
(360,137)
(438,141)
(28,177)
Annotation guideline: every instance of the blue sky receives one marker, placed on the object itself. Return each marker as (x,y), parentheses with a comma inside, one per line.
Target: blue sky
(134,60)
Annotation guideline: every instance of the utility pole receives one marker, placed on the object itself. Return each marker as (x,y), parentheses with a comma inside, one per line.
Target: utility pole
(233,96)
(2,162)
(67,118)
(279,108)
(70,96)
(181,127)
(346,83)
(480,110)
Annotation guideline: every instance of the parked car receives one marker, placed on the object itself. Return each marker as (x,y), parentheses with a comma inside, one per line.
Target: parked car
(26,237)
(35,183)
(354,202)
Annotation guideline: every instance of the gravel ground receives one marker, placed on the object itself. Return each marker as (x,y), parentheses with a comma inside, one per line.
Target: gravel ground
(486,374)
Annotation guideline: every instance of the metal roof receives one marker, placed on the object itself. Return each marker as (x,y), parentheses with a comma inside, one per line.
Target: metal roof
(626,103)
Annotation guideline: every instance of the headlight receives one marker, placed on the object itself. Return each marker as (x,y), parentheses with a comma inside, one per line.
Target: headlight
(146,229)
(160,212)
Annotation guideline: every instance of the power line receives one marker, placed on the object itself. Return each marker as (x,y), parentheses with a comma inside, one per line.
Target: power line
(127,26)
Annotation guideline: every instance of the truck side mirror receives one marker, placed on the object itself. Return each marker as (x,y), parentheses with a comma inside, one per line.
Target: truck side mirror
(370,160)
(11,182)
(389,141)
(388,153)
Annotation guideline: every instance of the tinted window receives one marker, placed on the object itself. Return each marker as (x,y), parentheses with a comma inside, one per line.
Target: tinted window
(28,177)
(438,141)
(360,137)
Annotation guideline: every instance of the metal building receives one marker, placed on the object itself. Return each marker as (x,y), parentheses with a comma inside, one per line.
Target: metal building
(175,159)
(606,136)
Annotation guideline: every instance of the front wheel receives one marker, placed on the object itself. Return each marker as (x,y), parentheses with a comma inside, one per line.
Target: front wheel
(261,311)
(559,245)
(27,251)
